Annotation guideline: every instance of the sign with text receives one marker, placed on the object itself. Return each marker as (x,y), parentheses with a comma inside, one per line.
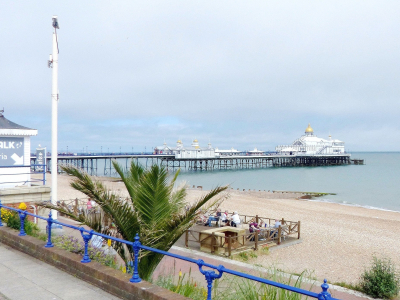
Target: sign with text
(11,151)
(40,158)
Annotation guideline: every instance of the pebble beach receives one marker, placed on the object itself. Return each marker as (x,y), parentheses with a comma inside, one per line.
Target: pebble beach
(337,241)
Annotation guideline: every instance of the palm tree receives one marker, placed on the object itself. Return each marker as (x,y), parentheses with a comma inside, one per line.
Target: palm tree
(155,210)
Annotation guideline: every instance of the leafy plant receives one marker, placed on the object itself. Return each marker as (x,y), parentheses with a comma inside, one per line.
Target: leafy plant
(73,245)
(13,221)
(381,280)
(230,287)
(155,210)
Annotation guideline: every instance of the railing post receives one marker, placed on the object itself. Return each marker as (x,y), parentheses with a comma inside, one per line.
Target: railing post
(298,230)
(187,238)
(136,248)
(279,234)
(229,245)
(257,219)
(212,242)
(86,239)
(22,216)
(1,223)
(324,295)
(49,223)
(256,239)
(210,276)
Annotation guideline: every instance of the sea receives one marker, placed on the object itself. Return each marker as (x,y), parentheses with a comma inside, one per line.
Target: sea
(375,185)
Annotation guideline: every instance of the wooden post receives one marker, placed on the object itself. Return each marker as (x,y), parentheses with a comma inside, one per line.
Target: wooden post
(256,240)
(298,230)
(283,221)
(187,238)
(230,245)
(279,234)
(257,219)
(212,242)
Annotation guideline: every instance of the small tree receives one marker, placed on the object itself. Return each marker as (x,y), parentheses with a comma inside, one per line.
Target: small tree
(155,210)
(381,280)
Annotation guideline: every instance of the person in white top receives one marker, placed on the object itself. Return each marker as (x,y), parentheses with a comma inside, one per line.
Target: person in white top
(224,217)
(277,224)
(235,219)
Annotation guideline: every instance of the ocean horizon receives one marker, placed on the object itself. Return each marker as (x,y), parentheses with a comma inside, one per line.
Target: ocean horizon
(373,185)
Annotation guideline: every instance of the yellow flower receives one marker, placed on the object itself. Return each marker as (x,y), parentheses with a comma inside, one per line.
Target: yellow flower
(22,206)
(124,270)
(109,243)
(180,273)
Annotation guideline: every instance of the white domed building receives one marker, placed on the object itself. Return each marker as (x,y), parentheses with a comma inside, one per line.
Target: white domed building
(310,144)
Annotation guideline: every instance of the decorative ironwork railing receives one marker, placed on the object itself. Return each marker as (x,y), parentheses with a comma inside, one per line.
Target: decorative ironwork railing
(210,275)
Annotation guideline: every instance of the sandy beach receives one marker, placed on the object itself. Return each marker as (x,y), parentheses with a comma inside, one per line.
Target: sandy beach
(338,241)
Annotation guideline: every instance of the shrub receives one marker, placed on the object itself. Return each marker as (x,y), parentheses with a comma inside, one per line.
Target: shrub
(381,280)
(13,221)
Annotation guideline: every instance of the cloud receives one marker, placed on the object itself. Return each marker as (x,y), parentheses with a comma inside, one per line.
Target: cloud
(242,74)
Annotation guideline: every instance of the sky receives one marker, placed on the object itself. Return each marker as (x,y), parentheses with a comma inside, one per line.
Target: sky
(242,74)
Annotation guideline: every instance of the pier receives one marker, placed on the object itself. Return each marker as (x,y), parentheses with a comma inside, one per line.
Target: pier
(101,164)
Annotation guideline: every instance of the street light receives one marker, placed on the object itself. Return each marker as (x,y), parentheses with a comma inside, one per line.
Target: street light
(101,147)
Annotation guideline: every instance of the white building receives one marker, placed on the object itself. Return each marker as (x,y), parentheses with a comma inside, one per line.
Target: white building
(15,153)
(194,151)
(255,152)
(230,152)
(310,144)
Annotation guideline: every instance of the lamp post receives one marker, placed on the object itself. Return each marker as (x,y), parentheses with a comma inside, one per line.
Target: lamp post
(101,151)
(53,63)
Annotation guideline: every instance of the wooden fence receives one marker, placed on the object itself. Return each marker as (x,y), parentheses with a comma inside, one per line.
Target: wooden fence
(231,244)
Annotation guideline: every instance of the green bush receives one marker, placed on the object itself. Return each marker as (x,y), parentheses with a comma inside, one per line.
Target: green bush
(14,222)
(381,280)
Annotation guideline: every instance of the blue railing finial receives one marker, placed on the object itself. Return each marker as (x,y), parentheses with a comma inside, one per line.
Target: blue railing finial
(86,239)
(324,295)
(136,248)
(210,276)
(49,244)
(22,216)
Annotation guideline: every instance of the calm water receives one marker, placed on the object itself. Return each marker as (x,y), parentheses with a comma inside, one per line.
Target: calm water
(375,184)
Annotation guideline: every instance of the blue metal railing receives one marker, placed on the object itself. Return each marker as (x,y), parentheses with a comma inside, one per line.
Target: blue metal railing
(210,275)
(33,169)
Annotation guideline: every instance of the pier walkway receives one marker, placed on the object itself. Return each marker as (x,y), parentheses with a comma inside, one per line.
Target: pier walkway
(94,163)
(25,277)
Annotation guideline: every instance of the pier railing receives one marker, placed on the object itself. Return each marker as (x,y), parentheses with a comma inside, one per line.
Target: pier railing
(210,274)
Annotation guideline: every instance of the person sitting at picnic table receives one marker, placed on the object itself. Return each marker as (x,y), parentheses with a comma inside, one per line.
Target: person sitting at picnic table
(224,217)
(202,217)
(235,219)
(214,218)
(276,226)
(253,227)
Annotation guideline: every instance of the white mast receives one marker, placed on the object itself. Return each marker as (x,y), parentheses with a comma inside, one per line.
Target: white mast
(54,111)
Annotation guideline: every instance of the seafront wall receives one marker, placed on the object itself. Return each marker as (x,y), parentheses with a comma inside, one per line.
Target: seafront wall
(108,279)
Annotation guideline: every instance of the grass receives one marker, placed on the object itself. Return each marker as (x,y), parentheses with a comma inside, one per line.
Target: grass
(231,287)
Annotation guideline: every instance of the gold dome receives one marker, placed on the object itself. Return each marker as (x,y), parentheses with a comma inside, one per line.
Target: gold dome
(179,142)
(309,129)
(195,141)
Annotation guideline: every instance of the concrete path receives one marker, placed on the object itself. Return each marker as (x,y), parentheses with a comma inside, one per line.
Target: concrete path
(24,277)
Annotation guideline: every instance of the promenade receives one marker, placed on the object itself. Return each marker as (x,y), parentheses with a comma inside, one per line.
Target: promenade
(24,277)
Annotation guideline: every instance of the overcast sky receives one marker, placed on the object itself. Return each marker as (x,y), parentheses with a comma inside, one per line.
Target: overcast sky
(240,74)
